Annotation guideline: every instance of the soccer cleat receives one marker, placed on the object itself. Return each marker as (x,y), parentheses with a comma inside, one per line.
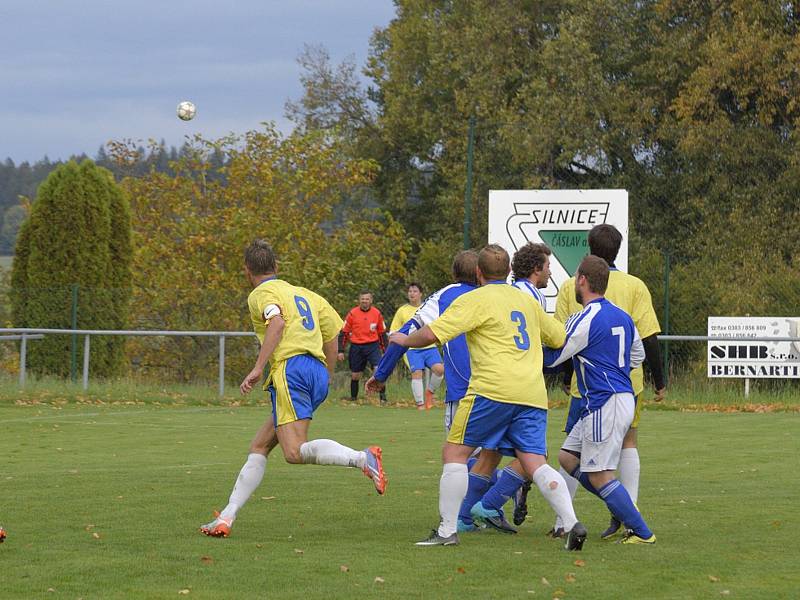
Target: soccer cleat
(556,534)
(373,468)
(434,539)
(521,503)
(614,529)
(491,518)
(575,537)
(2,535)
(219,527)
(632,538)
(467,527)
(428,399)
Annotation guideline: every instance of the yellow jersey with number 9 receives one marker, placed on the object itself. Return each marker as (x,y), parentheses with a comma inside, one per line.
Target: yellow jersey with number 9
(309,319)
(631,295)
(505,329)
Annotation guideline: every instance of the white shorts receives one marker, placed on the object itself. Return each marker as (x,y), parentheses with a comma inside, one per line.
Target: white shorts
(450,409)
(598,436)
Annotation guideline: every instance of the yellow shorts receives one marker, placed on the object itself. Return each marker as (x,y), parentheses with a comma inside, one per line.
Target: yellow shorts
(637,412)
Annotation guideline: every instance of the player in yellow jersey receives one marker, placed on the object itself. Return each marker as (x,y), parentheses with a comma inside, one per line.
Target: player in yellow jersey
(298,331)
(631,295)
(505,407)
(419,359)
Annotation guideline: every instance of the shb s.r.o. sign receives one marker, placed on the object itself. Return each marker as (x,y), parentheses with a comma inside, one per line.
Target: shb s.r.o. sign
(754,359)
(561,219)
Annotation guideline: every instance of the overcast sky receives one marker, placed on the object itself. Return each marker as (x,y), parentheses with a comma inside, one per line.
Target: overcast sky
(74,75)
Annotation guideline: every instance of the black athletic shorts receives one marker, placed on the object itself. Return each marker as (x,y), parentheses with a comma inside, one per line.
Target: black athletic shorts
(361,354)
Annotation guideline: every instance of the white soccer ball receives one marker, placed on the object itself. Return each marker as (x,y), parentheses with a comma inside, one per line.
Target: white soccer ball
(186,111)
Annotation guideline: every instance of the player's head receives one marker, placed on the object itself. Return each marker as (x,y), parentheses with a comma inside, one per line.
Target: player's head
(591,278)
(365,300)
(414,293)
(493,263)
(532,262)
(604,241)
(259,259)
(464,265)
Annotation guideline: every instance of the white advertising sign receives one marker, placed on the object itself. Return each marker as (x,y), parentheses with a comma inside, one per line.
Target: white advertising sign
(754,359)
(561,219)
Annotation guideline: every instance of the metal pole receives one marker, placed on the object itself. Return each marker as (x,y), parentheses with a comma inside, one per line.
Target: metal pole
(221,366)
(23,353)
(666,315)
(468,190)
(73,365)
(86,362)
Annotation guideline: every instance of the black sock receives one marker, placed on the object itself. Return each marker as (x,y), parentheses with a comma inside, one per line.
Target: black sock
(353,389)
(383,396)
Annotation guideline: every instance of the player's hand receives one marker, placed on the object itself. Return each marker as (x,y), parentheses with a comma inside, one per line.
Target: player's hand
(565,387)
(398,338)
(249,381)
(340,356)
(373,385)
(660,395)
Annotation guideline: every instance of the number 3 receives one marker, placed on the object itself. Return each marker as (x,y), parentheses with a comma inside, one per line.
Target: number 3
(305,311)
(522,341)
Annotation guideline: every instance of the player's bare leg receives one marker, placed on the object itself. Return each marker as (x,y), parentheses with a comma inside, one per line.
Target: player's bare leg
(554,489)
(248,480)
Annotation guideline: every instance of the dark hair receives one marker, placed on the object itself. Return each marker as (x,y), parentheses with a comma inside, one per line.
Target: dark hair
(259,258)
(493,262)
(364,292)
(604,241)
(416,285)
(464,265)
(528,259)
(595,269)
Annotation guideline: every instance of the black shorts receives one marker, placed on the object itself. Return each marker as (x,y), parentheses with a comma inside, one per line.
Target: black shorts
(361,354)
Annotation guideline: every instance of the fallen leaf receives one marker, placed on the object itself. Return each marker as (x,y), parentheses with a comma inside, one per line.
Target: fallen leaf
(344,568)
(713,578)
(50,590)
(89,527)
(725,593)
(96,535)
(417,492)
(259,545)
(298,551)
(206,559)
(268,497)
(380,580)
(570,578)
(461,570)
(545,582)
(682,502)
(580,563)
(183,592)
(559,593)
(517,552)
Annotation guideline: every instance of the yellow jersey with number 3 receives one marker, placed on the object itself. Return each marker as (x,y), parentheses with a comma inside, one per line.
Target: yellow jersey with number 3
(309,319)
(631,295)
(505,330)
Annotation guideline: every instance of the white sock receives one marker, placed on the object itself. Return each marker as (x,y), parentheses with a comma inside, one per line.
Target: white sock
(629,468)
(434,382)
(452,489)
(554,490)
(246,483)
(418,389)
(329,452)
(572,486)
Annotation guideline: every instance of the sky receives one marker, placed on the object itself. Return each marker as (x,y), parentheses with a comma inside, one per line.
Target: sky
(74,75)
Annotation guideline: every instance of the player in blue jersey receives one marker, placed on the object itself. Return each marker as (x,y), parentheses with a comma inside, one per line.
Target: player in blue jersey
(456,355)
(604,345)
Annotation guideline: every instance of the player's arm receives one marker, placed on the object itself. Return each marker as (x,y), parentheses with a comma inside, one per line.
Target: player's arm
(419,339)
(577,338)
(652,351)
(464,314)
(637,350)
(646,321)
(330,349)
(344,335)
(272,338)
(391,356)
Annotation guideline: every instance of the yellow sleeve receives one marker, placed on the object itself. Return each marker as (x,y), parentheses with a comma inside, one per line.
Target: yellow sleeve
(552,331)
(566,294)
(397,320)
(330,323)
(461,316)
(258,302)
(643,313)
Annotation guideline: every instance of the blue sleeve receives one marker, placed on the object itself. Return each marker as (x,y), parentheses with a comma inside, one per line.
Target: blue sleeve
(393,354)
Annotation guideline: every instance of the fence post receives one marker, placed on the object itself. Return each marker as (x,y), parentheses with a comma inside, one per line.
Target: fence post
(221,366)
(666,315)
(73,365)
(23,354)
(86,362)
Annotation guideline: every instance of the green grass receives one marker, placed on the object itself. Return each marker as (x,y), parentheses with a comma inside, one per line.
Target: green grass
(718,489)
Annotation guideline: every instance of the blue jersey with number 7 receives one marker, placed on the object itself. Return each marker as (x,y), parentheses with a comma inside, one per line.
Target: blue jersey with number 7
(604,346)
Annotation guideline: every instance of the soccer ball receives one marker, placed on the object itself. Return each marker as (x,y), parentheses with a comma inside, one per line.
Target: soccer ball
(186,111)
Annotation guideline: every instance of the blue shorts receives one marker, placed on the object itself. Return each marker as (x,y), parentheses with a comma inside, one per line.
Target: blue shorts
(480,421)
(574,413)
(297,387)
(418,359)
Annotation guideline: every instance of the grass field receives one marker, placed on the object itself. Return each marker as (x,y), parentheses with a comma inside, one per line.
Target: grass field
(105,501)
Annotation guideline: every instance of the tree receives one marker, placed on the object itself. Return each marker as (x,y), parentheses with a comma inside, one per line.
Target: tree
(77,240)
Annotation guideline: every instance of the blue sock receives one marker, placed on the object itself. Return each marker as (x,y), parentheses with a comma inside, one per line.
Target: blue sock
(476,488)
(501,491)
(621,506)
(584,479)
